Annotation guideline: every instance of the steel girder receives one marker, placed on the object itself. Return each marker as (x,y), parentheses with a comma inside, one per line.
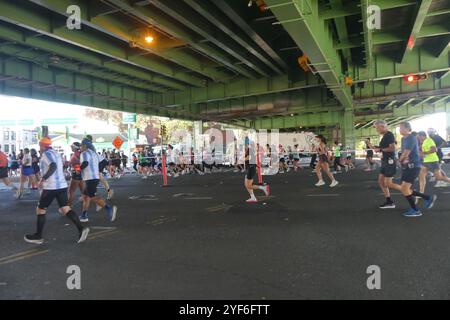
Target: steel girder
(355,10)
(115,28)
(169,26)
(302,21)
(367,34)
(214,16)
(336,118)
(26,79)
(44,24)
(43,59)
(341,28)
(417,23)
(183,14)
(226,8)
(372,82)
(239,89)
(381,38)
(86,58)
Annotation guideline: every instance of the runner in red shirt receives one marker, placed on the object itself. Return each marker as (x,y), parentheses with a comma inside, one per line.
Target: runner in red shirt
(4,171)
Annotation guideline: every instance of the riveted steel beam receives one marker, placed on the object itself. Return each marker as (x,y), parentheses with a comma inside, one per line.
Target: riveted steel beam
(311,34)
(226,7)
(36,21)
(183,14)
(162,47)
(417,23)
(214,16)
(16,35)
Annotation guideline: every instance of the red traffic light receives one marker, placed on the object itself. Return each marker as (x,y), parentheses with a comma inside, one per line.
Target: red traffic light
(412,78)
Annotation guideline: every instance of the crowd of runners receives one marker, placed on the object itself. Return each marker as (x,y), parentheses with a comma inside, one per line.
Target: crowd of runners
(58,178)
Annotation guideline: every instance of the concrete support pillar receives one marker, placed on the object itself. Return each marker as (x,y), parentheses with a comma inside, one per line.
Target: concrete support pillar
(348,128)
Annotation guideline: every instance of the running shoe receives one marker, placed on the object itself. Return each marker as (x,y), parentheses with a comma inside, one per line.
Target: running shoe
(111,213)
(334,183)
(110,194)
(412,213)
(251,200)
(84,217)
(429,204)
(83,235)
(266,190)
(442,184)
(33,238)
(320,183)
(18,195)
(387,205)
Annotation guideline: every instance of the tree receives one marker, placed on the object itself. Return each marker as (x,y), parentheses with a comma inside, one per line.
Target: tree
(151,125)
(112,117)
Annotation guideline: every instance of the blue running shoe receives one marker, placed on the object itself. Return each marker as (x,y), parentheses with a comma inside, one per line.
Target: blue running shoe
(429,204)
(412,213)
(84,217)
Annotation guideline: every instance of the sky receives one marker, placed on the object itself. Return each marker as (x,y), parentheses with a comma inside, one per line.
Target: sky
(14,108)
(437,121)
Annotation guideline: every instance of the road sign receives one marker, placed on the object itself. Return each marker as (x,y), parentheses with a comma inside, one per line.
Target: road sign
(128,118)
(133,134)
(117,142)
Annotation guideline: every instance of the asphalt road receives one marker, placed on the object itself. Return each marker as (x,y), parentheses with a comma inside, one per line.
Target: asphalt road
(198,239)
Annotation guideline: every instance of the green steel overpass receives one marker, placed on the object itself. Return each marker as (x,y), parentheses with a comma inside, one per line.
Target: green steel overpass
(233,61)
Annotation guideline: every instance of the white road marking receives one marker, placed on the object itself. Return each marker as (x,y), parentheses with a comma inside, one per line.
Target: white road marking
(102,228)
(198,198)
(323,195)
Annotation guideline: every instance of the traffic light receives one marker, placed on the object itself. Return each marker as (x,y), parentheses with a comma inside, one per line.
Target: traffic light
(413,78)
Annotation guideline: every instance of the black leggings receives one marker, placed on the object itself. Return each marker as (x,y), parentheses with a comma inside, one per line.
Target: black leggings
(312,164)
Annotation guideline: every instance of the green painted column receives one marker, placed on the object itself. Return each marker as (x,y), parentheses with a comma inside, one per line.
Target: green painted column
(348,128)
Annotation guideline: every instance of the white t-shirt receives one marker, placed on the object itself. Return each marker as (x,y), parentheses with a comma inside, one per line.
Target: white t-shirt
(91,172)
(57,180)
(26,161)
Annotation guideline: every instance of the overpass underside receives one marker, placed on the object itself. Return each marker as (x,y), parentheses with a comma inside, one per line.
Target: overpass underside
(230,62)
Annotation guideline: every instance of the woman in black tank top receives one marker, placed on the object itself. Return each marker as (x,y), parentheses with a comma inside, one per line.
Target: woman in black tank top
(323,163)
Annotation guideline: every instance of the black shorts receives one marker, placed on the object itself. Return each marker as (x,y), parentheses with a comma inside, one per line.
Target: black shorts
(90,188)
(76,176)
(3,172)
(323,158)
(388,170)
(102,165)
(410,175)
(36,169)
(369,154)
(48,196)
(432,166)
(251,172)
